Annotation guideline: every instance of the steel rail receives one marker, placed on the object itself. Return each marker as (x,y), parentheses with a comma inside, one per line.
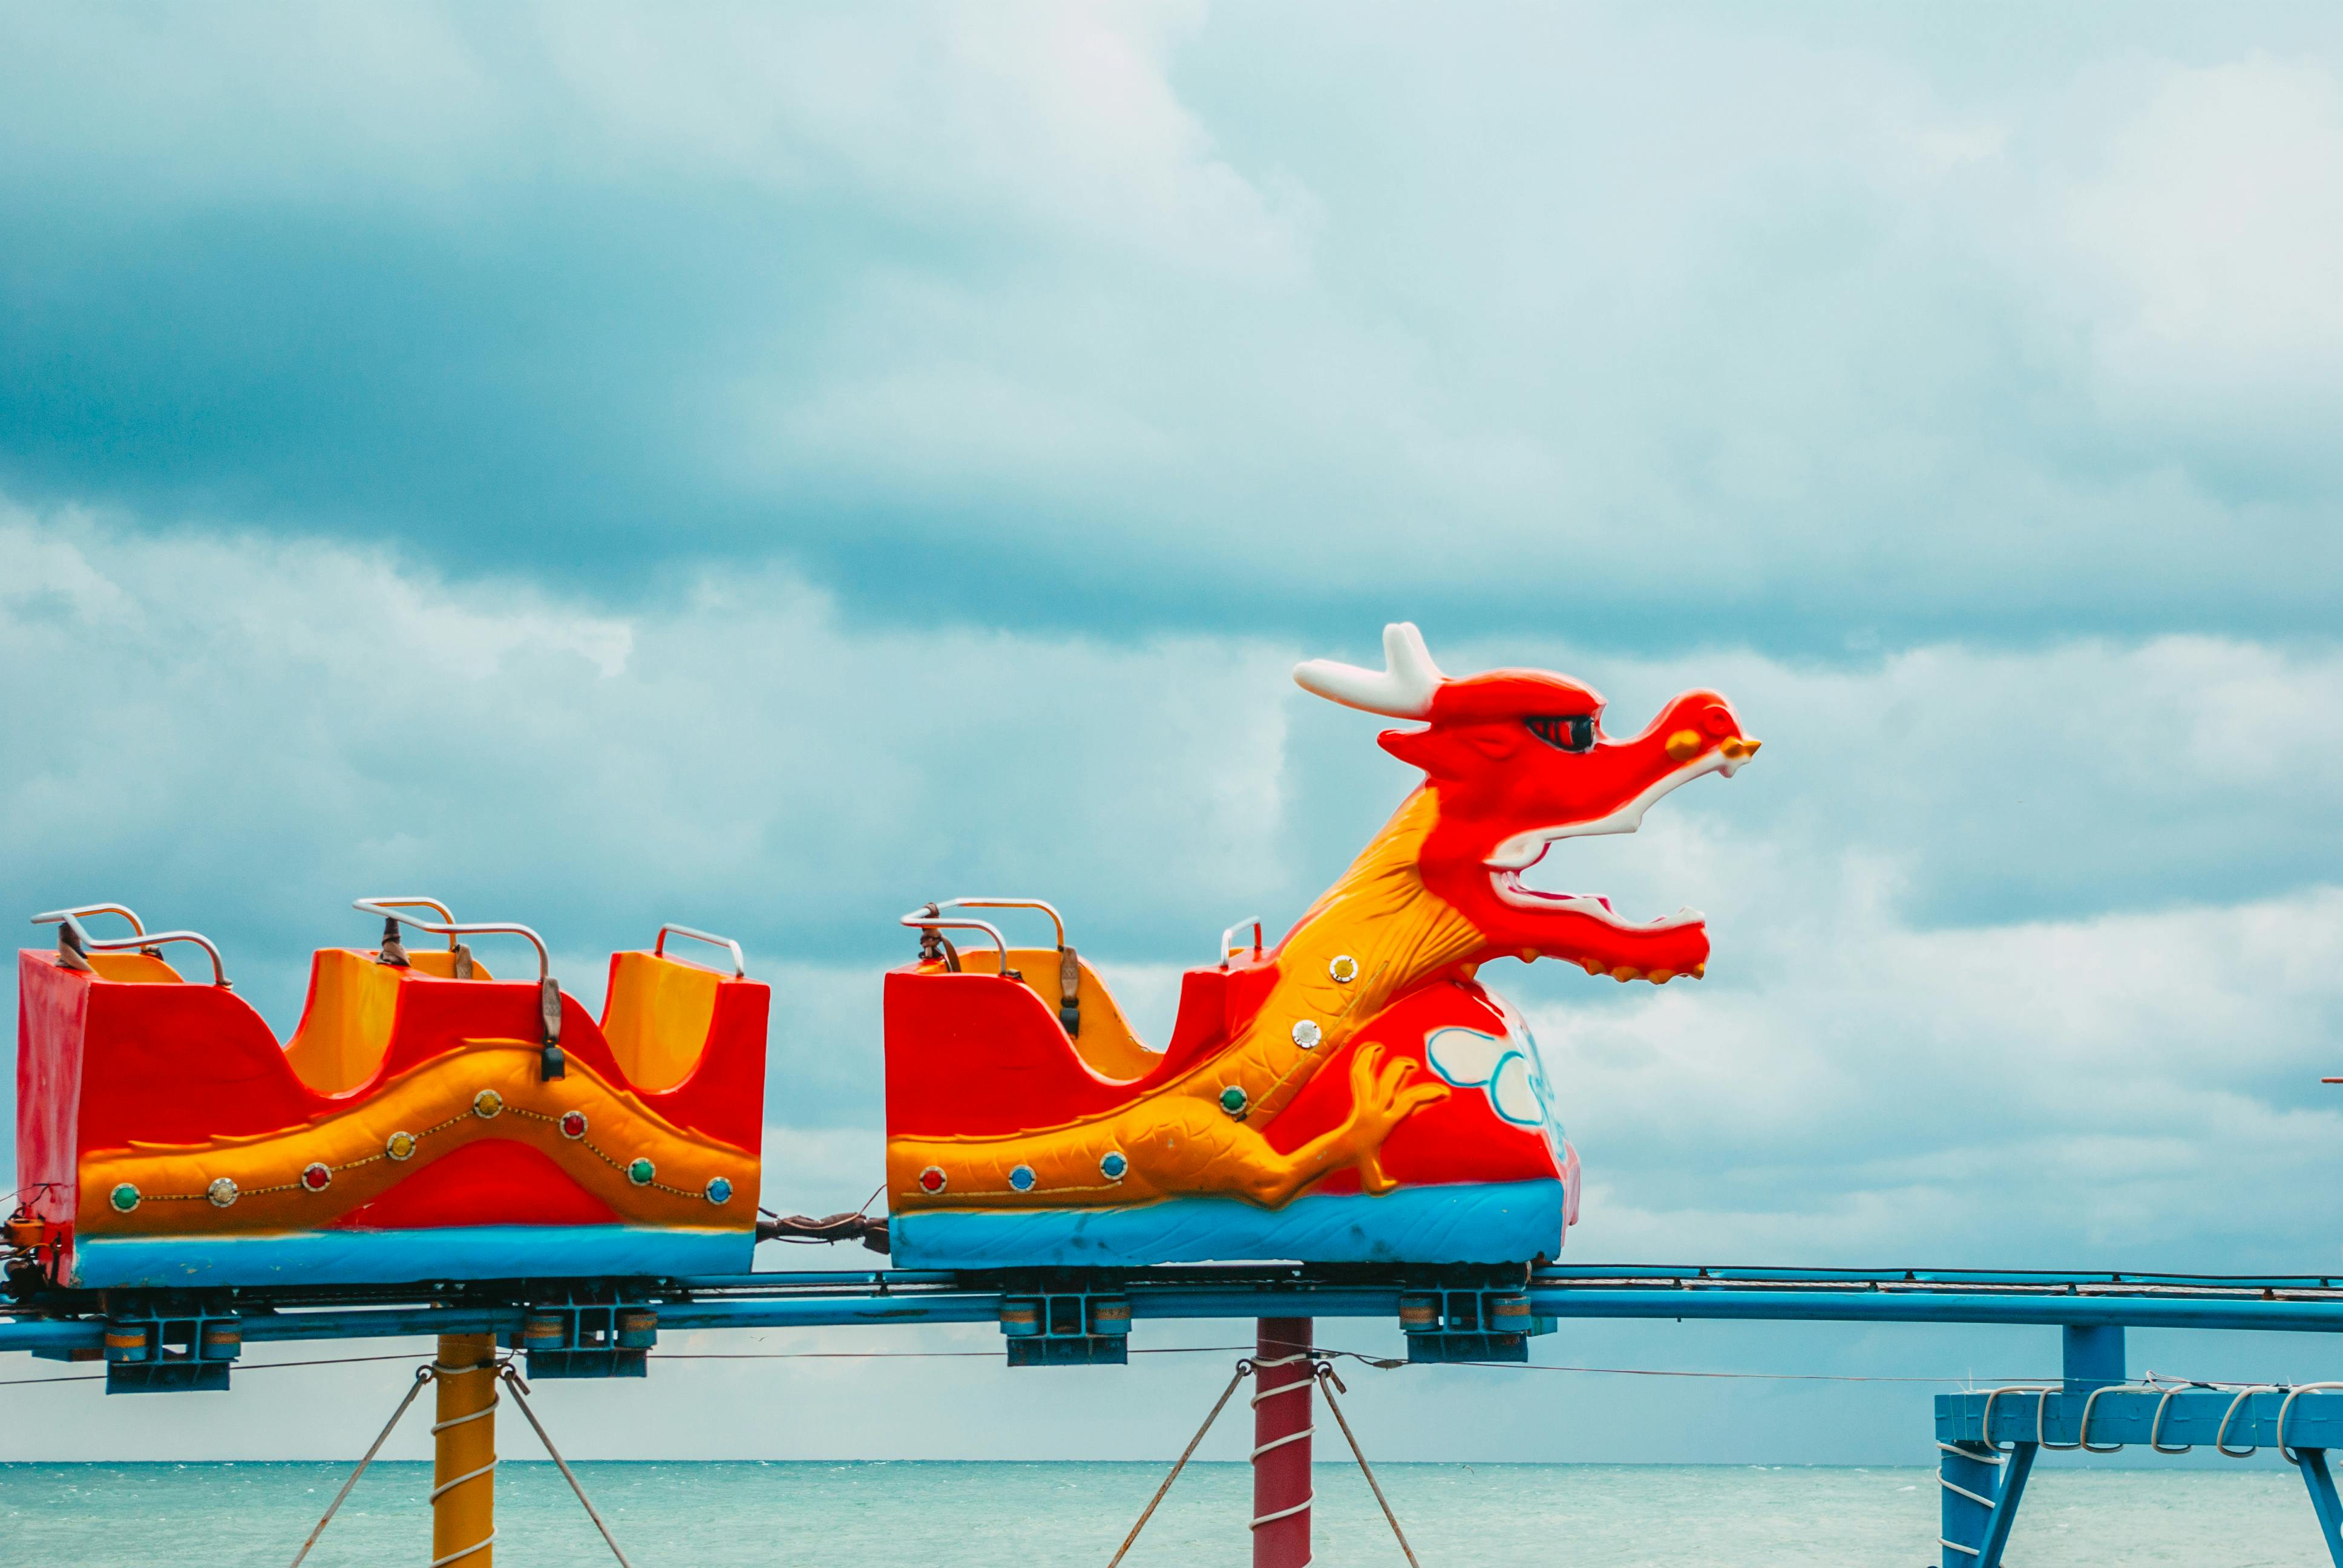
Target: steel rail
(141,941)
(740,963)
(453,929)
(783,1300)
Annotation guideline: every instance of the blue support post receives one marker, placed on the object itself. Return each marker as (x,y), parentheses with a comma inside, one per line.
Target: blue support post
(2093,1356)
(2013,1471)
(2312,1461)
(1968,1484)
(1980,1493)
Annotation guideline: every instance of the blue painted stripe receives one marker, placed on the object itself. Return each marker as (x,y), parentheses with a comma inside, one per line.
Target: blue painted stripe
(394,1257)
(1489,1222)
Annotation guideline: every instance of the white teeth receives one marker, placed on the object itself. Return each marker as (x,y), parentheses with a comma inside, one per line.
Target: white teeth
(1525,848)
(1509,888)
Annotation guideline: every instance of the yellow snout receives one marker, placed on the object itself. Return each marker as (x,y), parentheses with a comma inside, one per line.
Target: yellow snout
(1685,744)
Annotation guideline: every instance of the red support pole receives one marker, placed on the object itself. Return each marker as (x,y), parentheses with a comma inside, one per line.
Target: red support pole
(1281,1402)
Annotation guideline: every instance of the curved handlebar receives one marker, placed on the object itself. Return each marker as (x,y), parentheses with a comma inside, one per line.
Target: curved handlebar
(124,911)
(919,919)
(145,939)
(740,964)
(1048,908)
(446,913)
(1252,921)
(453,930)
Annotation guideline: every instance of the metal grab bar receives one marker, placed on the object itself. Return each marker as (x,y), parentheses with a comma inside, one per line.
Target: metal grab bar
(740,964)
(124,911)
(465,929)
(1252,921)
(2296,1391)
(1984,1423)
(91,944)
(1047,909)
(2221,1438)
(446,913)
(919,919)
(2083,1436)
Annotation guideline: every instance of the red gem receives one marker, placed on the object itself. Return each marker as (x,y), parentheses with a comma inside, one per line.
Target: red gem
(932,1179)
(573,1124)
(316,1178)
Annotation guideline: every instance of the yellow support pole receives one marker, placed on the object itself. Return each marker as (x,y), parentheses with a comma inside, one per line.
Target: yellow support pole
(464,1453)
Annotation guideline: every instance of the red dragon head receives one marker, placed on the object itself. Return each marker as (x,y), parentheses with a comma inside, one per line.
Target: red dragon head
(1516,761)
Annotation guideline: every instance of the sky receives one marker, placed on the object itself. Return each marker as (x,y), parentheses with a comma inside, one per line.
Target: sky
(766,469)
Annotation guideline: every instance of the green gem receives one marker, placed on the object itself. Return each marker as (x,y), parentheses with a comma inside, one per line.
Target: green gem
(1233,1101)
(640,1172)
(125,1198)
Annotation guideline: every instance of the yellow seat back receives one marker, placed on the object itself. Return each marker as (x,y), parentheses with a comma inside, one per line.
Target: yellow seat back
(134,969)
(1106,1043)
(353,1004)
(346,1028)
(657,1018)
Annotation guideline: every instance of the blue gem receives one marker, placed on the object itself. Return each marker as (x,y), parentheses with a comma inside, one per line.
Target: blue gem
(1021,1178)
(1113,1165)
(720,1190)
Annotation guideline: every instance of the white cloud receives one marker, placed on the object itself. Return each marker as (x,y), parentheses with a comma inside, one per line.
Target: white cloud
(269,731)
(258,734)
(2128,1087)
(2213,228)
(1801,330)
(1967,898)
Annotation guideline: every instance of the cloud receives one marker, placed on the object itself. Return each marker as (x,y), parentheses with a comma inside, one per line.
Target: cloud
(2031,897)
(1818,337)
(767,470)
(2094,1092)
(2020,958)
(297,723)
(2211,229)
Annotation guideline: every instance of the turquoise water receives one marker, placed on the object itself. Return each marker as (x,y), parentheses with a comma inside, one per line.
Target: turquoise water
(994,1515)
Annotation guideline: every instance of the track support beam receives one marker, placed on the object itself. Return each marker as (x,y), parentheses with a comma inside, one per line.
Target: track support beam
(464,1453)
(2321,1482)
(1282,1397)
(1980,1492)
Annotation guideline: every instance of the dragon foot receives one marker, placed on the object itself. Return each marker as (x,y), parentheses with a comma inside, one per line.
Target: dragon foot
(1380,1098)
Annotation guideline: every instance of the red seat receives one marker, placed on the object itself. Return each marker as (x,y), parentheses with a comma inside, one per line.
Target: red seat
(969,1055)
(179,1084)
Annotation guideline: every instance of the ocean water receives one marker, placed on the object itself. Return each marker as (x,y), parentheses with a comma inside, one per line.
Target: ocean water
(1042,1515)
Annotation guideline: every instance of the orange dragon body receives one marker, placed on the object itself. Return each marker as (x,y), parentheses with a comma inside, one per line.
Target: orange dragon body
(1351,1093)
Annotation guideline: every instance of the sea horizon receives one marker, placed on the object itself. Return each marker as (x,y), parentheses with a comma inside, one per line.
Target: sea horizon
(1056,1513)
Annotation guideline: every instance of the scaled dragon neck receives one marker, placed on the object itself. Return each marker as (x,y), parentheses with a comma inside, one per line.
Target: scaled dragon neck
(1380,913)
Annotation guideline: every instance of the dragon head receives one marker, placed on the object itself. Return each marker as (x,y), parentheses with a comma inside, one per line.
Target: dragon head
(1517,759)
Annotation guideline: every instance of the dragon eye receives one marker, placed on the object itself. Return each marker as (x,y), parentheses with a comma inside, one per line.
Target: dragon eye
(1567,734)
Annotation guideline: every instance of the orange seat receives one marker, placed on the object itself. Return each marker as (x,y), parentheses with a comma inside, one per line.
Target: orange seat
(657,1015)
(353,1006)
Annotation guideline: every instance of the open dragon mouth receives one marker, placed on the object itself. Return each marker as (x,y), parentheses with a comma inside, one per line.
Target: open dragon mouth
(1512,891)
(1523,850)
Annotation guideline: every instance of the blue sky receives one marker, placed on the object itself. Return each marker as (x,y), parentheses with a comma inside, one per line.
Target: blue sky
(766,470)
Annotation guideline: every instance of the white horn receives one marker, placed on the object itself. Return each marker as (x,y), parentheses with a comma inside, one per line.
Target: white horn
(1403,690)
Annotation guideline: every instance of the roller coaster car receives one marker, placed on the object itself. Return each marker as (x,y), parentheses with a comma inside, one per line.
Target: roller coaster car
(1353,1093)
(426,1123)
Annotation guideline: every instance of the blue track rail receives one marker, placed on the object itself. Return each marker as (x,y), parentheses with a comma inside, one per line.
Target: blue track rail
(2304,1304)
(1986,1440)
